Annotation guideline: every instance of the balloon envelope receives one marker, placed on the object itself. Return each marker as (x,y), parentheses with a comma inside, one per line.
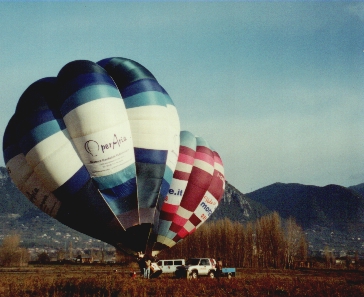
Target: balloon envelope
(99,148)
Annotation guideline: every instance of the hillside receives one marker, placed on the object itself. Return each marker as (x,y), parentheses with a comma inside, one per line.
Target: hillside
(238,207)
(331,206)
(358,188)
(11,200)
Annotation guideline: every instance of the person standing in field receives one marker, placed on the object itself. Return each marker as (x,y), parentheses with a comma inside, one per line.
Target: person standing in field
(144,262)
(141,263)
(218,267)
(147,261)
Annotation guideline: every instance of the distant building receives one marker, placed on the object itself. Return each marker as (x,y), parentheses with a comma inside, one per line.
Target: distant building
(84,259)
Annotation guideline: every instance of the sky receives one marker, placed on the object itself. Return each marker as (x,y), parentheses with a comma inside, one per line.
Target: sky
(276,88)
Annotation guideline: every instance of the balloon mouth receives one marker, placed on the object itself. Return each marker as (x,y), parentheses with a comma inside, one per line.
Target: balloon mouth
(135,239)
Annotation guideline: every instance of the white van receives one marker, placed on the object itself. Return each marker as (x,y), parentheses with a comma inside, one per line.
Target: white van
(169,266)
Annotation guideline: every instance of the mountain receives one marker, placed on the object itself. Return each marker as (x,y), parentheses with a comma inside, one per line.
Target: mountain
(331,216)
(11,200)
(332,206)
(358,188)
(238,207)
(18,215)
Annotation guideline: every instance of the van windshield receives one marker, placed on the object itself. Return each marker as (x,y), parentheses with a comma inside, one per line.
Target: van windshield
(192,262)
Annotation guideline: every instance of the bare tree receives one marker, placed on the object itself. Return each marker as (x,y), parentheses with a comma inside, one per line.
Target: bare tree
(303,247)
(329,257)
(295,243)
(270,241)
(43,258)
(10,252)
(60,255)
(249,245)
(70,251)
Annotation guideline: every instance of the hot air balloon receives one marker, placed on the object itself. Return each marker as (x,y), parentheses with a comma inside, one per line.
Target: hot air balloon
(155,127)
(43,164)
(99,148)
(198,185)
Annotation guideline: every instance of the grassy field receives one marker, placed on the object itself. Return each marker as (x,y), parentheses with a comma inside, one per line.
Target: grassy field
(106,281)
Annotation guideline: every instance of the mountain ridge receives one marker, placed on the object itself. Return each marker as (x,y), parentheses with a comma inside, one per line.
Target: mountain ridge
(331,206)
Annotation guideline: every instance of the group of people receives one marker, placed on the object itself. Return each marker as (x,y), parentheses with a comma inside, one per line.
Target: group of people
(144,261)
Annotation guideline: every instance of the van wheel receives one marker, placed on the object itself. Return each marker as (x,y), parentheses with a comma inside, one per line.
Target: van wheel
(193,275)
(211,274)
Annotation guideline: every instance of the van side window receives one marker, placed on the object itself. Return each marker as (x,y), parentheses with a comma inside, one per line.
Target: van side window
(204,262)
(167,263)
(177,262)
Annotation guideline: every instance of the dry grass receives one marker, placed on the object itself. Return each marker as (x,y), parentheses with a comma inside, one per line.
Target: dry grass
(75,281)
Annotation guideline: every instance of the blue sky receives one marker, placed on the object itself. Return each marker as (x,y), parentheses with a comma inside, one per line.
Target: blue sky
(275,87)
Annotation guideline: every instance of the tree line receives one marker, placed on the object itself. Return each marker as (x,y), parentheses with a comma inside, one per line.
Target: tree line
(269,242)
